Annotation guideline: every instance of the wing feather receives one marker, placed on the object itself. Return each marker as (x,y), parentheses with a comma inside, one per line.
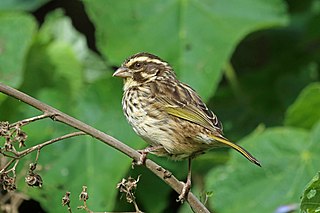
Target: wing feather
(182,101)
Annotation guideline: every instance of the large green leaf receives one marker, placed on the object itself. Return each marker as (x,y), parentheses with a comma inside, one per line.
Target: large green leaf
(305,111)
(59,28)
(196,37)
(310,201)
(289,157)
(16,34)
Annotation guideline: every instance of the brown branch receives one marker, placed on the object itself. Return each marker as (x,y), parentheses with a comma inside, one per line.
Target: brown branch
(21,154)
(195,204)
(29,120)
(40,146)
(15,161)
(7,165)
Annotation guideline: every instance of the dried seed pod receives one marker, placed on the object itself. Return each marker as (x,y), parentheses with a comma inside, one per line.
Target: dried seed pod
(66,199)
(32,167)
(7,182)
(34,179)
(4,128)
(21,137)
(84,194)
(128,187)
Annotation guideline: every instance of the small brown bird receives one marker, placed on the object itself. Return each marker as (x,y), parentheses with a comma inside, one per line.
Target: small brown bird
(169,114)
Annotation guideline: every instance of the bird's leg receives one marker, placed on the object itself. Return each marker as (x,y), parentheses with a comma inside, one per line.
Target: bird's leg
(186,186)
(144,153)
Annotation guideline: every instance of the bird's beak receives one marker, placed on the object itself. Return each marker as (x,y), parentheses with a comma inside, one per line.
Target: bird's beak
(122,72)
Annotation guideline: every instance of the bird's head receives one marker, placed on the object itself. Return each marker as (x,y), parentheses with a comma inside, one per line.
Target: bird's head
(141,68)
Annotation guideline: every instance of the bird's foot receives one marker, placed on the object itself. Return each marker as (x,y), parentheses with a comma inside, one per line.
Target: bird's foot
(143,155)
(185,191)
(142,159)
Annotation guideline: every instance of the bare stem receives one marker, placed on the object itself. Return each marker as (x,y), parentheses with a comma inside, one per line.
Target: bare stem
(19,155)
(37,157)
(195,204)
(30,120)
(9,156)
(136,207)
(40,146)
(7,165)
(69,208)
(13,169)
(85,207)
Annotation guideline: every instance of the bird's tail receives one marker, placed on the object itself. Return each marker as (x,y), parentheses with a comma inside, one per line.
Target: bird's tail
(238,148)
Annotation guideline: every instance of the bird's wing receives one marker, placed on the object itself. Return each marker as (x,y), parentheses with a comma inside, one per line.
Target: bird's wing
(182,101)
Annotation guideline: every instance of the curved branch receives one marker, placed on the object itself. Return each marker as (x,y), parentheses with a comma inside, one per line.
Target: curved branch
(40,146)
(174,183)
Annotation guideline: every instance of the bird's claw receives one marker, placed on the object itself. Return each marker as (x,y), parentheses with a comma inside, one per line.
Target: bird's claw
(184,193)
(142,158)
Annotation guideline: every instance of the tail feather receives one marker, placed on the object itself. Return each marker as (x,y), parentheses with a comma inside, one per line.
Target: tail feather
(244,152)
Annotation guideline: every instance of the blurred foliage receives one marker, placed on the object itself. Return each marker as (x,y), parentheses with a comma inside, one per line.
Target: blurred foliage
(305,111)
(14,46)
(289,157)
(21,4)
(255,62)
(311,196)
(197,37)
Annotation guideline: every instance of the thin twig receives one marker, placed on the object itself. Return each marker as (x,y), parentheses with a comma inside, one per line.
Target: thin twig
(9,156)
(37,157)
(69,209)
(19,155)
(13,169)
(7,166)
(136,207)
(40,146)
(195,204)
(29,120)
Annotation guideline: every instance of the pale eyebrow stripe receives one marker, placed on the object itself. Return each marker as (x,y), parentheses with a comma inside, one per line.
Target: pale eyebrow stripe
(147,59)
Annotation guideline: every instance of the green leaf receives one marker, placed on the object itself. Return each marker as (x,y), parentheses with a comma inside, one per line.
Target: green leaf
(310,201)
(289,157)
(54,60)
(16,34)
(21,4)
(59,28)
(59,57)
(304,112)
(68,72)
(196,37)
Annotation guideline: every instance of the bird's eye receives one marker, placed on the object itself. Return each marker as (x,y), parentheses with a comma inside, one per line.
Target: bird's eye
(137,65)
